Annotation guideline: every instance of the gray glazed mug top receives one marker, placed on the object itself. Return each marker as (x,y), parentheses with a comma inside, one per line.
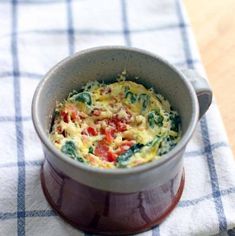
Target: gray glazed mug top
(152,71)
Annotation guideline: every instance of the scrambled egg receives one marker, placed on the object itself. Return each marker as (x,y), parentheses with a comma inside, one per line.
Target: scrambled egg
(118,125)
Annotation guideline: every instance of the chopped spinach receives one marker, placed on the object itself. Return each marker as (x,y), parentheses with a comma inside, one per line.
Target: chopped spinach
(123,158)
(162,151)
(84,97)
(160,120)
(166,145)
(90,150)
(144,99)
(155,118)
(151,119)
(175,121)
(69,148)
(80,159)
(131,96)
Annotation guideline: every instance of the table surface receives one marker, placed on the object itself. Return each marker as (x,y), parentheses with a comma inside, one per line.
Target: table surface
(213,23)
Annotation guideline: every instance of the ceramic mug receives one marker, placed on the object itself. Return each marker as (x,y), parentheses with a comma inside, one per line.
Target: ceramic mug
(116,201)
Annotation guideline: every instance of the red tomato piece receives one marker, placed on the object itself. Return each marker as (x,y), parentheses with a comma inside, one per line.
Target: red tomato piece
(101,150)
(91,131)
(71,111)
(65,116)
(111,122)
(102,130)
(121,126)
(74,116)
(118,124)
(111,156)
(109,134)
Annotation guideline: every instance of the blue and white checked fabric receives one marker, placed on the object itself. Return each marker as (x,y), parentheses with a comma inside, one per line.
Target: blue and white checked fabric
(36,34)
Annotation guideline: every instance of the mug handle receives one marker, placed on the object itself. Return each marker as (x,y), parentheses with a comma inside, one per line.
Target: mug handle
(202,89)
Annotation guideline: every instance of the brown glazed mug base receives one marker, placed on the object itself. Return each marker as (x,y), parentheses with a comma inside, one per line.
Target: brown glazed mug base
(109,213)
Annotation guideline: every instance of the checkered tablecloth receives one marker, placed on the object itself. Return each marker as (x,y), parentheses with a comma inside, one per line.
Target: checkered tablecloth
(34,36)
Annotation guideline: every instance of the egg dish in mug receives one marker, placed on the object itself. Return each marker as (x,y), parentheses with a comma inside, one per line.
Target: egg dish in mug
(116,125)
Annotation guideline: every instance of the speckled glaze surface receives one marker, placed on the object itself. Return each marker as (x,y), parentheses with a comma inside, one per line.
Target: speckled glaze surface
(102,201)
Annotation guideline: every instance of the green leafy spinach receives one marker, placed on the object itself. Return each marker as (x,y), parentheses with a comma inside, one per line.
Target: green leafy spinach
(144,100)
(123,159)
(84,97)
(69,148)
(175,121)
(131,96)
(155,118)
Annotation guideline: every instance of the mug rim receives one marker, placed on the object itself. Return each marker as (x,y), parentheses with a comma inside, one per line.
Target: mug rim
(123,171)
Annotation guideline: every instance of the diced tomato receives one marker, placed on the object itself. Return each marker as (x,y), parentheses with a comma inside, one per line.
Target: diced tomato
(91,131)
(65,116)
(102,130)
(111,156)
(121,126)
(109,135)
(114,125)
(70,111)
(112,122)
(101,150)
(74,116)
(118,124)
